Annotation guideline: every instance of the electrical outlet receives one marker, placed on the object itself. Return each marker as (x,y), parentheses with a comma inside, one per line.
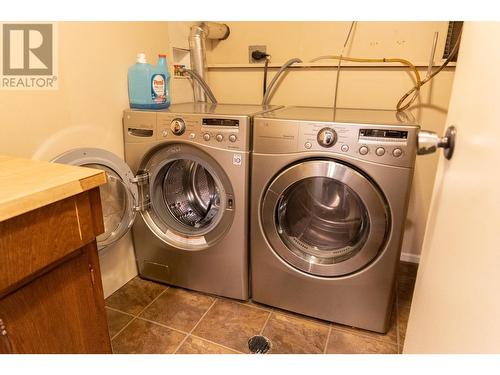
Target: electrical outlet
(255,48)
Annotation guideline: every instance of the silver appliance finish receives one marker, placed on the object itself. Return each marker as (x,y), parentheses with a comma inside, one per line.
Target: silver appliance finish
(329,201)
(196,157)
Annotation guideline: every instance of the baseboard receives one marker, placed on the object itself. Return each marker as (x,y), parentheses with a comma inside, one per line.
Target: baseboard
(412,258)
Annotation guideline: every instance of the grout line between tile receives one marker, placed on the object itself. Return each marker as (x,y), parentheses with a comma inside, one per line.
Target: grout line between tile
(216,343)
(196,325)
(265,324)
(121,330)
(163,325)
(120,311)
(204,314)
(140,312)
(328,337)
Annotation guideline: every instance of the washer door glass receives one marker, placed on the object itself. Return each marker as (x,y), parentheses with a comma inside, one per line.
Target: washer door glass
(118,196)
(322,220)
(192,199)
(191,194)
(117,207)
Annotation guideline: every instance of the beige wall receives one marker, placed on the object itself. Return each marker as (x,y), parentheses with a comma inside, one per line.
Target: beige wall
(233,81)
(178,32)
(86,110)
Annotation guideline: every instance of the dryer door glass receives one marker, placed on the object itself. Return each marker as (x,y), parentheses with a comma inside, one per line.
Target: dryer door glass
(322,220)
(324,217)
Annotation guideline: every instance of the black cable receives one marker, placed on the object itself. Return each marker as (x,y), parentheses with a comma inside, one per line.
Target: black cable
(266,65)
(259,55)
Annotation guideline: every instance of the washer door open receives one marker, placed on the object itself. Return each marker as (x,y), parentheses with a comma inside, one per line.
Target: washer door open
(118,196)
(324,218)
(192,200)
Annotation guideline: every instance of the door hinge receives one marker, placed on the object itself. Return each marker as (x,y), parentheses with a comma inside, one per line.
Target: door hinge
(3,329)
(143,202)
(7,349)
(92,276)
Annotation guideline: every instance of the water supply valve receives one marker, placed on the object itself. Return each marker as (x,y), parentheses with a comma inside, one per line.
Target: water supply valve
(429,142)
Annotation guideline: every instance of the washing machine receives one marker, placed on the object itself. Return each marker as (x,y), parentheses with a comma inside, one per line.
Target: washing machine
(184,190)
(329,199)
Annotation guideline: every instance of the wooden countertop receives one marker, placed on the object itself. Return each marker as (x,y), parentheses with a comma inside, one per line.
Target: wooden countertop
(27,184)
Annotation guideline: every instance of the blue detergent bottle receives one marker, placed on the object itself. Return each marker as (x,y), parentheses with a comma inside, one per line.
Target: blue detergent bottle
(139,94)
(160,84)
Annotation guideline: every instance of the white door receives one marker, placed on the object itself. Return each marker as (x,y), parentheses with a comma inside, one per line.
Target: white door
(456,304)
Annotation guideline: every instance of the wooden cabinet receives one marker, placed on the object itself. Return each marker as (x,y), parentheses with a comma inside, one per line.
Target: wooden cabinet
(51,297)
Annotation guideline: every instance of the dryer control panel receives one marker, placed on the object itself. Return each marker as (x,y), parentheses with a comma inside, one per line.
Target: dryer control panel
(385,144)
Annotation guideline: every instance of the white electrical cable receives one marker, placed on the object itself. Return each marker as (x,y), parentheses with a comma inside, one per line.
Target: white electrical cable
(338,69)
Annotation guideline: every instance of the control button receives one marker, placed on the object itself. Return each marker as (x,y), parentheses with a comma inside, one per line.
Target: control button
(397,152)
(233,138)
(206,137)
(363,150)
(380,151)
(327,137)
(219,137)
(164,133)
(308,145)
(177,126)
(192,136)
(344,148)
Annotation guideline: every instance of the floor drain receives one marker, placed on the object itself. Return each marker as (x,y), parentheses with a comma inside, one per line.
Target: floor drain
(259,344)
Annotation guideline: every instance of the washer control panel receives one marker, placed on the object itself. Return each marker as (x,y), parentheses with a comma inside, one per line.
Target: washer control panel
(385,144)
(177,126)
(327,137)
(226,132)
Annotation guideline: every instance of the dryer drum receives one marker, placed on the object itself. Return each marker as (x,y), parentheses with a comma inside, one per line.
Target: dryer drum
(323,219)
(190,193)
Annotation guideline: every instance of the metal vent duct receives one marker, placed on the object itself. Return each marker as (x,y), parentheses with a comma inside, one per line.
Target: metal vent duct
(197,46)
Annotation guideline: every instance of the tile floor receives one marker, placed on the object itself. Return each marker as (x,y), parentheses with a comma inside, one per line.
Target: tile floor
(146,317)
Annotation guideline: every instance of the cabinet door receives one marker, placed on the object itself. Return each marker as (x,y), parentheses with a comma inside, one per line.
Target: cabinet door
(61,311)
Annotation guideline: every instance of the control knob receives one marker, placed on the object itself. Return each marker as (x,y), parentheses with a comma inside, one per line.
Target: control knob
(327,137)
(397,152)
(177,126)
(206,137)
(233,138)
(219,137)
